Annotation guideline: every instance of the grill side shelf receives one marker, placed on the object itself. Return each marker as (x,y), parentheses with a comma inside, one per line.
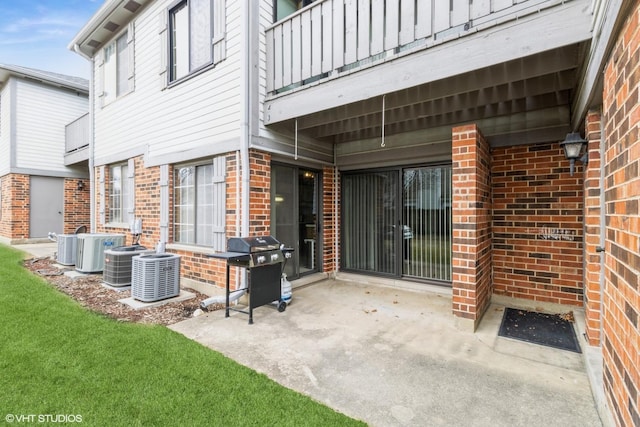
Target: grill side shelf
(234,258)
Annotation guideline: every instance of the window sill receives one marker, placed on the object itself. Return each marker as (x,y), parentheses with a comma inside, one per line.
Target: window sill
(191,75)
(117,225)
(204,250)
(111,101)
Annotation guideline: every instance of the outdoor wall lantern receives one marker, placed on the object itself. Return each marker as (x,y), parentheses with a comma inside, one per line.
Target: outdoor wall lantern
(80,185)
(572,145)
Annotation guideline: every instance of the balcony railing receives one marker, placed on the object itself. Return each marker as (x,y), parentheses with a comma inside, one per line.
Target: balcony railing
(77,134)
(330,37)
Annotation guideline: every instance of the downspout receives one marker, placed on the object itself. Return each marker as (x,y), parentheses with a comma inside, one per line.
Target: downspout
(92,194)
(335,212)
(245,130)
(603,223)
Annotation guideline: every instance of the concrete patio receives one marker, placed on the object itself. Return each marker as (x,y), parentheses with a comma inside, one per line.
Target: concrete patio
(393,357)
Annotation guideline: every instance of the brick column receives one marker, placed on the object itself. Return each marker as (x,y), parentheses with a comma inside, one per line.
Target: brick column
(592,259)
(471,216)
(14,218)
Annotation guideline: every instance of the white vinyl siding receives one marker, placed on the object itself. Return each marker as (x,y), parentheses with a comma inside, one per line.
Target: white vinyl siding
(41,115)
(198,113)
(5,129)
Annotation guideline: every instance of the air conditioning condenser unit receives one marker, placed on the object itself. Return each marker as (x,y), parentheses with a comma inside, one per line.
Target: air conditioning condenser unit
(90,250)
(66,254)
(155,276)
(118,264)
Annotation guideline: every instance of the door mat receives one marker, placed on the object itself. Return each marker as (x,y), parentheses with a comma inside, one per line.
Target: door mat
(551,330)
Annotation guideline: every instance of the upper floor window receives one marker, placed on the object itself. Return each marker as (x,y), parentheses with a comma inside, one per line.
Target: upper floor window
(116,68)
(191,37)
(284,8)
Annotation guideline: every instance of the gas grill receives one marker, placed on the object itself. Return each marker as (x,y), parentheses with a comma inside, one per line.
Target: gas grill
(264,258)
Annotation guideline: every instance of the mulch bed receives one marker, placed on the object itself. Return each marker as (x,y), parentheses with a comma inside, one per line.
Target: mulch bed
(89,291)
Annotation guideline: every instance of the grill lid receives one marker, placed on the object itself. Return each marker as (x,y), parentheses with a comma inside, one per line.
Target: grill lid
(252,244)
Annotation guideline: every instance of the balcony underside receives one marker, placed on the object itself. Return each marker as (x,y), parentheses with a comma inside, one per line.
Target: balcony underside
(517,81)
(79,157)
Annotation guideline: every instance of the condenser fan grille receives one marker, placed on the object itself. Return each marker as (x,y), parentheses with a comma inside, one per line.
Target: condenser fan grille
(155,277)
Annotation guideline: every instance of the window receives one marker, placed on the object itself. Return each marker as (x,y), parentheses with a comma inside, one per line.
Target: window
(116,68)
(284,8)
(191,36)
(200,204)
(194,205)
(119,200)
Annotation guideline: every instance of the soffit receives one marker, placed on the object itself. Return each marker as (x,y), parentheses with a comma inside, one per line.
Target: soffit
(515,102)
(110,19)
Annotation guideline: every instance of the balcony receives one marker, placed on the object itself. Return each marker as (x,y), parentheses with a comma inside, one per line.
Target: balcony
(77,137)
(512,66)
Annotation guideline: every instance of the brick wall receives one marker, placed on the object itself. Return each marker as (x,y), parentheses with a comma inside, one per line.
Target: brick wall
(77,205)
(621,299)
(537,225)
(14,223)
(471,218)
(330,190)
(147,201)
(260,193)
(592,228)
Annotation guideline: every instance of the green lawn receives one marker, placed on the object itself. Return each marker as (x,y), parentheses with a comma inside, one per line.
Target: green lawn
(57,358)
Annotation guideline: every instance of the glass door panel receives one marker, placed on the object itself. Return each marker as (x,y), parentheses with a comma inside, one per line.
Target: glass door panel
(284,212)
(307,217)
(369,215)
(294,216)
(427,223)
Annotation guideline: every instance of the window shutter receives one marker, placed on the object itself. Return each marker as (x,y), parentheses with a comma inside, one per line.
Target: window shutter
(164,203)
(132,57)
(101,202)
(219,203)
(164,47)
(99,85)
(131,191)
(219,41)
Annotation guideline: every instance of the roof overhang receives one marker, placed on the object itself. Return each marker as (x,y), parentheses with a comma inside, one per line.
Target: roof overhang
(52,79)
(112,17)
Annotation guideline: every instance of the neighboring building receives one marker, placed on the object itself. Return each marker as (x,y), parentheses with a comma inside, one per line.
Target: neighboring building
(412,141)
(38,185)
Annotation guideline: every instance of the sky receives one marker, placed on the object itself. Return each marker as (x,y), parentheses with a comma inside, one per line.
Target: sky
(36,33)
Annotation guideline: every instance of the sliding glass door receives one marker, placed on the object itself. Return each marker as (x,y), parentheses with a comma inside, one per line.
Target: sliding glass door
(398,222)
